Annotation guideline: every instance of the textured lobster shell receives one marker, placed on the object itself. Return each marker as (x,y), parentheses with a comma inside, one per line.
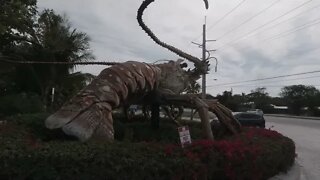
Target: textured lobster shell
(89,112)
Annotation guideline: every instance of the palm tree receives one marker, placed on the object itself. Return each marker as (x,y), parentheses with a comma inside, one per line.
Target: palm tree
(52,40)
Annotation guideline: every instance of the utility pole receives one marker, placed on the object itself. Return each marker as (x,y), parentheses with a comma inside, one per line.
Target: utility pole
(204,60)
(203,113)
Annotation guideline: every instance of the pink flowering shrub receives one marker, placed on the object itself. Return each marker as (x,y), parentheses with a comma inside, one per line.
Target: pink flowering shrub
(240,157)
(29,152)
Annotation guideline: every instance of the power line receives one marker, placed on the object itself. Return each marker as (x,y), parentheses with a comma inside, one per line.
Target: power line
(223,17)
(291,18)
(274,86)
(261,79)
(265,24)
(281,22)
(249,19)
(304,52)
(284,80)
(226,15)
(310,50)
(290,31)
(12,60)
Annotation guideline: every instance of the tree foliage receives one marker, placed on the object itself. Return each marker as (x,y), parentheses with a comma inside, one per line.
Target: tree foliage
(29,35)
(193,88)
(56,42)
(229,100)
(298,96)
(260,98)
(16,22)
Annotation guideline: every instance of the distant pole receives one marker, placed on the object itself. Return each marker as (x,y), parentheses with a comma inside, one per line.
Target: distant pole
(204,59)
(52,95)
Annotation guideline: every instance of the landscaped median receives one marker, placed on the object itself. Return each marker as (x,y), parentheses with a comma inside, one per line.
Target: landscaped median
(30,153)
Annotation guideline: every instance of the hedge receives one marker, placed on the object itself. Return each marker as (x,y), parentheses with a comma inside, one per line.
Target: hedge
(20,103)
(254,154)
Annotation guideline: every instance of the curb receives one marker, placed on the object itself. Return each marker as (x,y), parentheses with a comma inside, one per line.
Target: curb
(294,173)
(290,116)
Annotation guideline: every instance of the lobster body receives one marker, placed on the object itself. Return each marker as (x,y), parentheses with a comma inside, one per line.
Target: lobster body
(89,112)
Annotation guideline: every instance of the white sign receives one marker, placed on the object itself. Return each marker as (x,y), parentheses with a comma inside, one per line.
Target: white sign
(184,134)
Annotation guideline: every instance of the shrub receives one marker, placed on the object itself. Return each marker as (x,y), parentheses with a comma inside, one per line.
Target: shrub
(20,103)
(254,154)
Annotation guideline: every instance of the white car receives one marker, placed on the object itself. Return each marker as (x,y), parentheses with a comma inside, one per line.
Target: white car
(257,111)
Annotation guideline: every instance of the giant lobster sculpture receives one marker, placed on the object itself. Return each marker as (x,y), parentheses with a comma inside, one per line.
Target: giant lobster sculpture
(89,113)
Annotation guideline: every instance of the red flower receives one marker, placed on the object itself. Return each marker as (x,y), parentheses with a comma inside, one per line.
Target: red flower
(169,149)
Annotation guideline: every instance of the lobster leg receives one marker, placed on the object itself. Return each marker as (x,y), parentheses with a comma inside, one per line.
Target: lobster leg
(204,116)
(194,102)
(204,106)
(224,116)
(172,114)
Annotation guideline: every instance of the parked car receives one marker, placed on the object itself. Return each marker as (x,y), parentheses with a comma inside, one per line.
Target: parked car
(250,119)
(257,111)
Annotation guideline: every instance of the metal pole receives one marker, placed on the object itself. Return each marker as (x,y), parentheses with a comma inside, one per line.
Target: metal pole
(52,95)
(204,59)
(203,112)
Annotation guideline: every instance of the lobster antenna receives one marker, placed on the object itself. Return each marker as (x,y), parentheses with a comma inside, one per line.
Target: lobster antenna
(202,67)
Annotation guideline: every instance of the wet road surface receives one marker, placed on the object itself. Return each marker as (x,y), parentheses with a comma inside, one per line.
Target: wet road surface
(306,135)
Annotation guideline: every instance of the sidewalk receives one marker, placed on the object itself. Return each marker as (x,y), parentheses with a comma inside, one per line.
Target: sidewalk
(294,173)
(291,116)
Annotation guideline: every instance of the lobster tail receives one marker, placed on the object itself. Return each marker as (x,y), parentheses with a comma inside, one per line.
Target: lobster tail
(88,113)
(96,121)
(69,111)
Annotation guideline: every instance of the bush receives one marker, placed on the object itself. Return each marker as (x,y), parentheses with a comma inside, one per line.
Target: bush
(254,154)
(20,103)
(33,124)
(142,131)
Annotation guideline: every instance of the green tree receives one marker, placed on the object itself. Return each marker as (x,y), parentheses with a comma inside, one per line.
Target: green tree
(16,27)
(193,88)
(16,22)
(278,101)
(227,99)
(56,42)
(45,36)
(298,96)
(240,101)
(70,86)
(260,98)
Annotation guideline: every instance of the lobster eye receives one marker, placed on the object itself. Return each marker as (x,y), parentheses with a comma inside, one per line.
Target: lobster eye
(183,65)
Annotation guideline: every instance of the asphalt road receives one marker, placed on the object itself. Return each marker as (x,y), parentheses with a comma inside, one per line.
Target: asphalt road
(306,135)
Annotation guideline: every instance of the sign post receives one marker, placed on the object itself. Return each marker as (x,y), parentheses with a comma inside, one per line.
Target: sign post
(184,134)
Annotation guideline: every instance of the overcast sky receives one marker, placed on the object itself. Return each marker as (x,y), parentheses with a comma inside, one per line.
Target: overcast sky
(255,38)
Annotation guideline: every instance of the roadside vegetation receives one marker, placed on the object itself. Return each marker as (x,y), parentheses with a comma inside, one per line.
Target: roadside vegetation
(29,151)
(27,34)
(294,99)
